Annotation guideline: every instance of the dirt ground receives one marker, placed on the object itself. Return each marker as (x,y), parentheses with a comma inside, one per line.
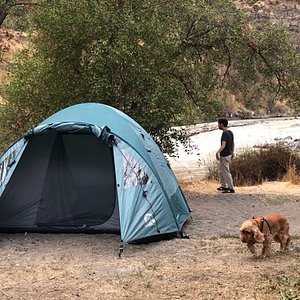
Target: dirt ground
(211,264)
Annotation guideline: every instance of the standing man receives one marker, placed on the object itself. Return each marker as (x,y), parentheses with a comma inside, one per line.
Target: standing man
(224,155)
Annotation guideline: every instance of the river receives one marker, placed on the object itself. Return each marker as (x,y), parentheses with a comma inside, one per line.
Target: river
(205,139)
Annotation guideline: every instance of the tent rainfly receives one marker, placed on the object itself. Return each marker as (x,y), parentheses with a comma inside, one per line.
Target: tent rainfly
(90,168)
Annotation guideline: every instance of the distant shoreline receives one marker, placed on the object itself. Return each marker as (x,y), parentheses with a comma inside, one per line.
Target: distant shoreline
(251,133)
(210,126)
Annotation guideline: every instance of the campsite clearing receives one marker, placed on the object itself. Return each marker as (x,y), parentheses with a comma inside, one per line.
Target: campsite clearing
(212,264)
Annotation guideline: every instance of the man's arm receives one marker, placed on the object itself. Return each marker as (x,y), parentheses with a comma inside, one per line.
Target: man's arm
(223,145)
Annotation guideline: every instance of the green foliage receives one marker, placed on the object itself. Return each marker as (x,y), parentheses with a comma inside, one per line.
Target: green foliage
(288,287)
(13,13)
(164,63)
(254,166)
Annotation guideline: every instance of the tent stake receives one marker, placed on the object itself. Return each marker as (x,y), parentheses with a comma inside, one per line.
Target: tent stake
(121,250)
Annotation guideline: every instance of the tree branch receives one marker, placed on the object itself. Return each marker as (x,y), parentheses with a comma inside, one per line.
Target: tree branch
(26,3)
(186,86)
(226,73)
(277,73)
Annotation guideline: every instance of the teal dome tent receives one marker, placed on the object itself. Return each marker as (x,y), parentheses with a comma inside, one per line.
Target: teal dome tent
(89,168)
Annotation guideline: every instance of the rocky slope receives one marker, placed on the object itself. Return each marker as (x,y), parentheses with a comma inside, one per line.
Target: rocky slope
(10,42)
(285,13)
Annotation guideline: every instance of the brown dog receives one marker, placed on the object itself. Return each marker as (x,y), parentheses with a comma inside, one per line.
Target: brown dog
(265,229)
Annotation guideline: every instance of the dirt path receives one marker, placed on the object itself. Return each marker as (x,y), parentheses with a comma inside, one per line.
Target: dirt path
(222,214)
(212,264)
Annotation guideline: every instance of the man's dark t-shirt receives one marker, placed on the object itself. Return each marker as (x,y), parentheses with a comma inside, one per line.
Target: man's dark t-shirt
(227,136)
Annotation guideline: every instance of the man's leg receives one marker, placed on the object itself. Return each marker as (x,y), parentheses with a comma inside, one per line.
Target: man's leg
(221,177)
(224,169)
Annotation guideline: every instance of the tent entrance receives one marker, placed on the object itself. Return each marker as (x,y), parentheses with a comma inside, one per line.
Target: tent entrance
(71,185)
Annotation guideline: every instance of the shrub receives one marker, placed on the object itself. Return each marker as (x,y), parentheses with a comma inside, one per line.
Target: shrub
(268,163)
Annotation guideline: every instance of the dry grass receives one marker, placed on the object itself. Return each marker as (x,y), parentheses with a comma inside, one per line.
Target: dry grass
(292,175)
(268,163)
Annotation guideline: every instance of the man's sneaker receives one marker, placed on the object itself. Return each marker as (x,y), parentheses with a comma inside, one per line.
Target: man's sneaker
(222,188)
(228,191)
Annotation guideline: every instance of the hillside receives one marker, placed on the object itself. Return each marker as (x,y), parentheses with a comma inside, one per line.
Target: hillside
(10,42)
(285,13)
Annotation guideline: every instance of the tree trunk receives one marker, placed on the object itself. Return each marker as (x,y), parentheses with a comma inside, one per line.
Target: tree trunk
(3,15)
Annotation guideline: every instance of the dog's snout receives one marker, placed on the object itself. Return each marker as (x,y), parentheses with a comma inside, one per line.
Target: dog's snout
(244,240)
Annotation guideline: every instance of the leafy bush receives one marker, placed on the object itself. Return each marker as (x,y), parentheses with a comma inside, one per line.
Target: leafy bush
(268,163)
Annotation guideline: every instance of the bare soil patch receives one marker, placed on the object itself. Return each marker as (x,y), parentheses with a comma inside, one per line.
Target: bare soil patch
(211,264)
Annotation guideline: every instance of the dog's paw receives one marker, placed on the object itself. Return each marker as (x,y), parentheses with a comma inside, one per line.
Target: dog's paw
(264,255)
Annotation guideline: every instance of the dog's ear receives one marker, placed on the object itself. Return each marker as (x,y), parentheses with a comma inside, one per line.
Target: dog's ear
(257,220)
(258,236)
